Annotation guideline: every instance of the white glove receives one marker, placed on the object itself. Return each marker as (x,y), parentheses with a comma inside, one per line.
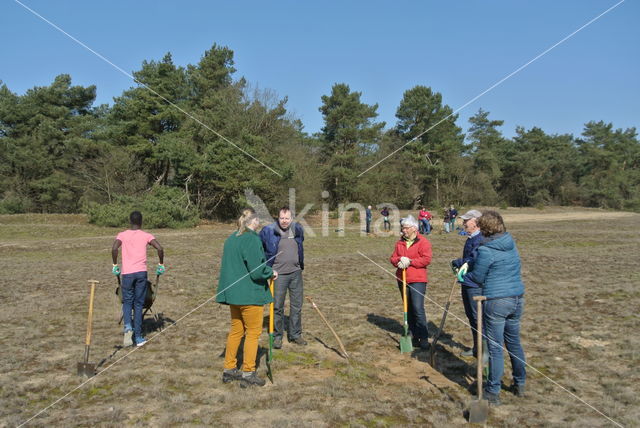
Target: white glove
(404,262)
(462,272)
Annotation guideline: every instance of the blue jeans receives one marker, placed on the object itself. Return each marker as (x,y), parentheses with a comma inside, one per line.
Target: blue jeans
(502,327)
(471,310)
(293,283)
(425,226)
(134,290)
(416,315)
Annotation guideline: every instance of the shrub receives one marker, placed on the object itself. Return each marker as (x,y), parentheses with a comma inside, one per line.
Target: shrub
(162,207)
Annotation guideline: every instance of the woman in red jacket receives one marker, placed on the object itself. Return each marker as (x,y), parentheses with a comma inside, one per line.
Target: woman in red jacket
(413,253)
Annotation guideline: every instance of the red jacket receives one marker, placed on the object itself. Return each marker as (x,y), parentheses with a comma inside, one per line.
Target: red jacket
(420,254)
(424,214)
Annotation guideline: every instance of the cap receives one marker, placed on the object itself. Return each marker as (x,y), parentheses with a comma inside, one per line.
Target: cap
(471,214)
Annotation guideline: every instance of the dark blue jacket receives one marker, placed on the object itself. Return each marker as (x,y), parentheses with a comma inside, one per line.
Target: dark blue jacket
(497,267)
(270,240)
(469,254)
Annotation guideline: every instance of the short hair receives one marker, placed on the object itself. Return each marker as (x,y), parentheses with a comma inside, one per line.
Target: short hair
(135,218)
(285,209)
(491,223)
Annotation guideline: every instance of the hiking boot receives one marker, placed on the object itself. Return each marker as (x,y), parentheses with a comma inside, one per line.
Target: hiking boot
(299,341)
(277,343)
(128,338)
(251,379)
(493,399)
(231,375)
(518,390)
(468,353)
(423,344)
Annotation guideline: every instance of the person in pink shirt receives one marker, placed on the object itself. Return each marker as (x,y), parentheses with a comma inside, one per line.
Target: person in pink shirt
(134,243)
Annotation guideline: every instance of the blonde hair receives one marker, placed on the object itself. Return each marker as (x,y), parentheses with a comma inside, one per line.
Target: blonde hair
(491,223)
(248,214)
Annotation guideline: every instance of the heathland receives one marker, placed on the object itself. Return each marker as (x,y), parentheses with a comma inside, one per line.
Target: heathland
(579,331)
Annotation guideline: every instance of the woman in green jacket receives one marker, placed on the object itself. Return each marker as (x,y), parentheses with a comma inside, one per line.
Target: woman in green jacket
(243,285)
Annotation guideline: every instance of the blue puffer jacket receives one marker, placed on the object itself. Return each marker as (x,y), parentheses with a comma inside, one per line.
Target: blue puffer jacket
(270,240)
(469,255)
(497,267)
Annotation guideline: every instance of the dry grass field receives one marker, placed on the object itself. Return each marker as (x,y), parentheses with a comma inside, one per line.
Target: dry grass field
(580,329)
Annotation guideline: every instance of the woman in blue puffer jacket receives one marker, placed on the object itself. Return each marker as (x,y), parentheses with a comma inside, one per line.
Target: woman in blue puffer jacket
(497,271)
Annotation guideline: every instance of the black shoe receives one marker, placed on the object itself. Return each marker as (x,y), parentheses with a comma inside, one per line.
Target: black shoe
(231,375)
(299,341)
(493,399)
(251,379)
(277,343)
(518,390)
(424,344)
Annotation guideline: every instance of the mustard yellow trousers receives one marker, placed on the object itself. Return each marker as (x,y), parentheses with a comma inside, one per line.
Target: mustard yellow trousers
(246,320)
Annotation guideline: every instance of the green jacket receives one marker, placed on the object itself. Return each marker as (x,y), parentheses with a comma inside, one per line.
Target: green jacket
(244,271)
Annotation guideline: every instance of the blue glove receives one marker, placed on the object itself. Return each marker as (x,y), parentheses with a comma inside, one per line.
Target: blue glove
(115,270)
(462,271)
(160,270)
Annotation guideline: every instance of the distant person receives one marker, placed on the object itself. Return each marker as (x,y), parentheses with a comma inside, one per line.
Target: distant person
(134,243)
(453,215)
(424,219)
(243,286)
(413,253)
(385,218)
(282,242)
(369,217)
(469,289)
(446,220)
(497,271)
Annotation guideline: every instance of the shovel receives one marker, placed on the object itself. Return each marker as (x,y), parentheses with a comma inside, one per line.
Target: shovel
(432,354)
(85,368)
(270,354)
(479,409)
(405,340)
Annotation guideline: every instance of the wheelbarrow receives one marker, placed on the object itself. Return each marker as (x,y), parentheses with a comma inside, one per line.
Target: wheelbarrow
(150,297)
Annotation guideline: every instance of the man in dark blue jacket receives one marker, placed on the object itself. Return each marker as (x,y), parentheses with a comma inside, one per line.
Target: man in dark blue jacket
(282,242)
(468,287)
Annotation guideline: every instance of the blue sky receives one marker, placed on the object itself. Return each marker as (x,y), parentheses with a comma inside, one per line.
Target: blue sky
(299,49)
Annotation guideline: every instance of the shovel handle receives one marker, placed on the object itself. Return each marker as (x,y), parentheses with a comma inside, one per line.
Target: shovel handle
(404,291)
(479,356)
(271,306)
(87,340)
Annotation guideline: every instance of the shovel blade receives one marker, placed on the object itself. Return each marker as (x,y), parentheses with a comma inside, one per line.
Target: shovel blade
(405,344)
(478,411)
(86,369)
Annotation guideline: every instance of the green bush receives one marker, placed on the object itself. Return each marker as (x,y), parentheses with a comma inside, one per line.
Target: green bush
(15,204)
(162,207)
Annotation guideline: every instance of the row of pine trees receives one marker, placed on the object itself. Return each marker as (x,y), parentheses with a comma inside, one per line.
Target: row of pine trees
(194,138)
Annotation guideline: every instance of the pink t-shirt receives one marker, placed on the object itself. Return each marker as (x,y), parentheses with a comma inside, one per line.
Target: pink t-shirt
(134,250)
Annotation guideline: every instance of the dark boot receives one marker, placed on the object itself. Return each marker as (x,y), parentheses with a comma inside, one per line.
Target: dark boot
(231,375)
(518,390)
(493,399)
(251,379)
